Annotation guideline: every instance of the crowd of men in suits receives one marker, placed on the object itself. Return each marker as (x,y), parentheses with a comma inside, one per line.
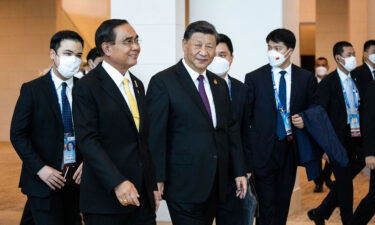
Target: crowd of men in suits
(104,149)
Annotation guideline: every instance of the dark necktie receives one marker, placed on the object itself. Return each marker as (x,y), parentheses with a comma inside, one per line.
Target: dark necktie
(280,128)
(202,93)
(66,111)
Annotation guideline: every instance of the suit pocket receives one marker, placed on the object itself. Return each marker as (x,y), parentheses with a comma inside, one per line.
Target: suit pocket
(181,159)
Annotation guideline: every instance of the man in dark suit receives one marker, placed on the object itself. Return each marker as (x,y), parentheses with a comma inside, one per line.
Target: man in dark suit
(278,91)
(41,128)
(365,73)
(339,94)
(366,208)
(234,210)
(194,134)
(118,183)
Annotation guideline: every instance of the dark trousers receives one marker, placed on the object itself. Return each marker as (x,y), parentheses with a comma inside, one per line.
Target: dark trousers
(325,174)
(341,194)
(366,209)
(236,211)
(142,215)
(203,213)
(60,208)
(274,185)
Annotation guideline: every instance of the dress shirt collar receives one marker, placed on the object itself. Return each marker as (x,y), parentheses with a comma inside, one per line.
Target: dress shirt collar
(193,74)
(116,76)
(342,75)
(57,81)
(276,70)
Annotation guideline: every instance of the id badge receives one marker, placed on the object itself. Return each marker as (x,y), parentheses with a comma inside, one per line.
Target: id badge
(354,125)
(287,123)
(69,150)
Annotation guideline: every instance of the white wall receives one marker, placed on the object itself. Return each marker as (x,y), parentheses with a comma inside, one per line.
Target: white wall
(160,25)
(246,22)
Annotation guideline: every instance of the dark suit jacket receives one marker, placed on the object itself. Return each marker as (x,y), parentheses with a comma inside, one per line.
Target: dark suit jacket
(37,133)
(111,146)
(189,153)
(369,121)
(363,75)
(329,95)
(239,93)
(263,110)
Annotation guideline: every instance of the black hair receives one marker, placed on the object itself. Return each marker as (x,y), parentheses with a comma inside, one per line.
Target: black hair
(200,27)
(368,44)
(105,33)
(338,48)
(282,35)
(57,38)
(222,38)
(93,54)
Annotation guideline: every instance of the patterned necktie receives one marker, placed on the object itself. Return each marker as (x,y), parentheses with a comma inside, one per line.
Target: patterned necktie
(280,128)
(132,103)
(202,93)
(66,111)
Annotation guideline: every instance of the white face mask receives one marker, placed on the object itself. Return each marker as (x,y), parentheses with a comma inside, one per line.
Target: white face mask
(69,65)
(321,71)
(371,58)
(276,58)
(219,66)
(350,63)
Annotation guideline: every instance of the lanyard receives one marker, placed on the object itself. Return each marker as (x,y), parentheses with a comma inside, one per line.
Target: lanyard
(280,106)
(355,95)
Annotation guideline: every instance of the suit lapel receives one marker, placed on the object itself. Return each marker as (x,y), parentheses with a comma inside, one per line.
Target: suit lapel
(140,100)
(112,90)
(268,85)
(294,87)
(216,95)
(338,87)
(51,94)
(190,88)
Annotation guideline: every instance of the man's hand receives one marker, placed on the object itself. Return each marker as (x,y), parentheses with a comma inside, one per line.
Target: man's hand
(157,198)
(370,162)
(325,157)
(127,194)
(78,174)
(161,188)
(51,177)
(241,183)
(297,121)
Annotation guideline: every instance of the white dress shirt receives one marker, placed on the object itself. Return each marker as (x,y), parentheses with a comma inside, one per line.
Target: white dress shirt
(117,77)
(58,86)
(347,82)
(288,80)
(372,70)
(194,76)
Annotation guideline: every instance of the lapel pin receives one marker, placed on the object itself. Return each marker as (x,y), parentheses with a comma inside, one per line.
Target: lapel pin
(136,84)
(215,81)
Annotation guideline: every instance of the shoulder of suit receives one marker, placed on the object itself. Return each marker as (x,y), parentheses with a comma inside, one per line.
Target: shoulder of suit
(166,73)
(330,77)
(37,81)
(360,68)
(301,71)
(235,81)
(259,71)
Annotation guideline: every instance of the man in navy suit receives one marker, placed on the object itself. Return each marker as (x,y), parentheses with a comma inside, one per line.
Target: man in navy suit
(41,128)
(278,91)
(234,210)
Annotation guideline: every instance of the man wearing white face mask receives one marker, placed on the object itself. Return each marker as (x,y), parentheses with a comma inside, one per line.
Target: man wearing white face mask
(278,92)
(41,128)
(321,68)
(366,72)
(339,94)
(233,211)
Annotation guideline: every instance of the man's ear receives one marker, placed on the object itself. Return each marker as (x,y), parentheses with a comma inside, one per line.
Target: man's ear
(52,54)
(106,48)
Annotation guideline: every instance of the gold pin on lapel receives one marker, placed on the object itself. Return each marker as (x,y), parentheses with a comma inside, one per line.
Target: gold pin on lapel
(215,81)
(136,84)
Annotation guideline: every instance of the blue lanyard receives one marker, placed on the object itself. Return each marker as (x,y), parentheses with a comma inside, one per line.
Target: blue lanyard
(355,94)
(280,106)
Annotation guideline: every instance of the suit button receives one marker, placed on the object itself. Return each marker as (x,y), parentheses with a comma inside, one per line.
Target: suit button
(215,156)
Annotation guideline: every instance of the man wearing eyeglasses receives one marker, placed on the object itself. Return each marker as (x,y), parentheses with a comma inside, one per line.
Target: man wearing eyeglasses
(118,183)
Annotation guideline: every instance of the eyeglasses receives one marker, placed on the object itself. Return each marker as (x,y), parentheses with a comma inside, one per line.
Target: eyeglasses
(129,42)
